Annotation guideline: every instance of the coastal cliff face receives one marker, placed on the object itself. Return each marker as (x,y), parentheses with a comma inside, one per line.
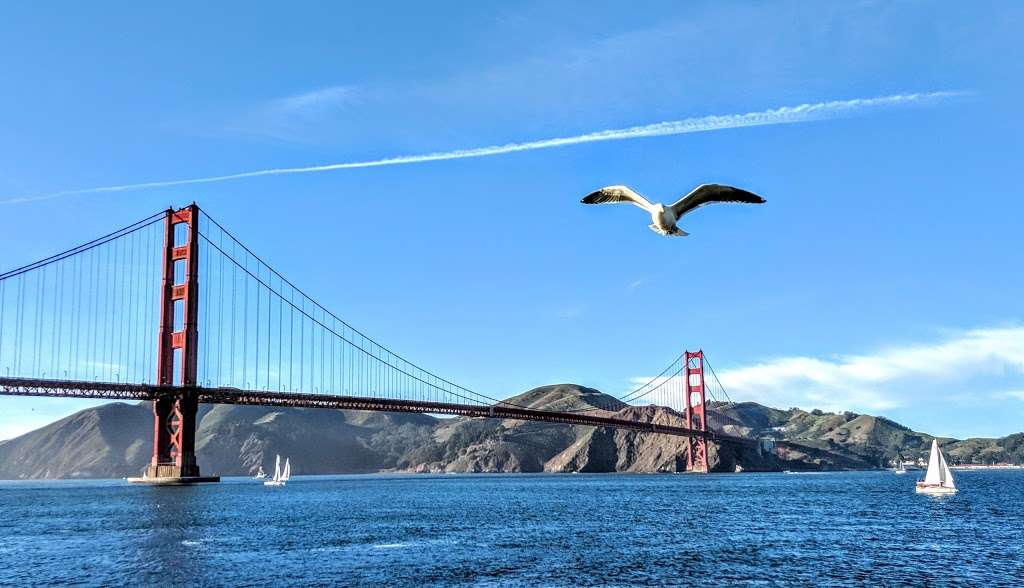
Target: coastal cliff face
(114,440)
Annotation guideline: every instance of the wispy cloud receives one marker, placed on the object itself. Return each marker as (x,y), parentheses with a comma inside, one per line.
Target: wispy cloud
(1009,395)
(776,116)
(890,378)
(894,377)
(636,284)
(313,102)
(293,118)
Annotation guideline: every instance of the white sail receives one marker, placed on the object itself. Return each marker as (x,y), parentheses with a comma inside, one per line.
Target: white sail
(935,472)
(279,478)
(287,470)
(939,480)
(946,476)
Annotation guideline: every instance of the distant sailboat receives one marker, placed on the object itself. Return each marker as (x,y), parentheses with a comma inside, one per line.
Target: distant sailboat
(280,478)
(900,468)
(938,480)
(260,474)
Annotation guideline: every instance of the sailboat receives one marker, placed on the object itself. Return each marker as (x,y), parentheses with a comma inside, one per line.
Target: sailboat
(938,480)
(280,477)
(260,474)
(900,468)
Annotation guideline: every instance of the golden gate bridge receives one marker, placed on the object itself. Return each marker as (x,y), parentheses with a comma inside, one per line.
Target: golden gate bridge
(174,310)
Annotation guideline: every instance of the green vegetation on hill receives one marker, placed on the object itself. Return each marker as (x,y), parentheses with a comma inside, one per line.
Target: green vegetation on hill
(870,441)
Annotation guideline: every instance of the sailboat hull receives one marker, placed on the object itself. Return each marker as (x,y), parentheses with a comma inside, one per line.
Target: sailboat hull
(934,489)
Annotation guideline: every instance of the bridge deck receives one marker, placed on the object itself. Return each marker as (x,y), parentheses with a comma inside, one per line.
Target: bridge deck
(111,391)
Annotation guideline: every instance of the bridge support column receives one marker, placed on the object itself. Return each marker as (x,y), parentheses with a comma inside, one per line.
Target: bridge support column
(695,413)
(174,414)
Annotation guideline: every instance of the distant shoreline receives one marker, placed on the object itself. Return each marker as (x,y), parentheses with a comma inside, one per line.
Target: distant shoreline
(1001,466)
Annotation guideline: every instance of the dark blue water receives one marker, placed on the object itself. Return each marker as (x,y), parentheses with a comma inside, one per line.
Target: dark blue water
(548,530)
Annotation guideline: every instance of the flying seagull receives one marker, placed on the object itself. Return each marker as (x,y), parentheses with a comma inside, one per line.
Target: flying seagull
(665,217)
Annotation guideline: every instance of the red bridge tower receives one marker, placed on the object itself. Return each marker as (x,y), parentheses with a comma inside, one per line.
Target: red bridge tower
(695,414)
(174,413)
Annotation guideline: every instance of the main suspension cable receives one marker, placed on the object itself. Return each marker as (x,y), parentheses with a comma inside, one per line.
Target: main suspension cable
(84,247)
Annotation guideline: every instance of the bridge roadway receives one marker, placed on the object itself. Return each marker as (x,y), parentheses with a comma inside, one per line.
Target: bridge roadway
(111,391)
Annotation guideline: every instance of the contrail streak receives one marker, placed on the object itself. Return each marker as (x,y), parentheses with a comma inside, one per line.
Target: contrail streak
(702,124)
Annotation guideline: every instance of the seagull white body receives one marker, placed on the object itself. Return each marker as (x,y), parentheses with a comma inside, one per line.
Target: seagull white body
(664,219)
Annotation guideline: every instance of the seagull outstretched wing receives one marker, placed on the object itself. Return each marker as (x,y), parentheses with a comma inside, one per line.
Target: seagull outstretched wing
(709,193)
(615,194)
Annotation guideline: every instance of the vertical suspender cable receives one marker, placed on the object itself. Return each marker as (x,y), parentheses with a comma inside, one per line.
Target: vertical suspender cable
(129,358)
(3,294)
(21,325)
(259,315)
(75,345)
(334,324)
(280,333)
(117,343)
(323,333)
(245,325)
(220,316)
(270,277)
(37,305)
(302,343)
(234,307)
(291,340)
(56,319)
(101,285)
(206,313)
(94,303)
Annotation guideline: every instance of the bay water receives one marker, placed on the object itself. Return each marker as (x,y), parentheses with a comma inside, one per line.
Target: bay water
(843,529)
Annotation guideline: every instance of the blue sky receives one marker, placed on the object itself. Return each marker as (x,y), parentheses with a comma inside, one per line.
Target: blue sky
(882,276)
